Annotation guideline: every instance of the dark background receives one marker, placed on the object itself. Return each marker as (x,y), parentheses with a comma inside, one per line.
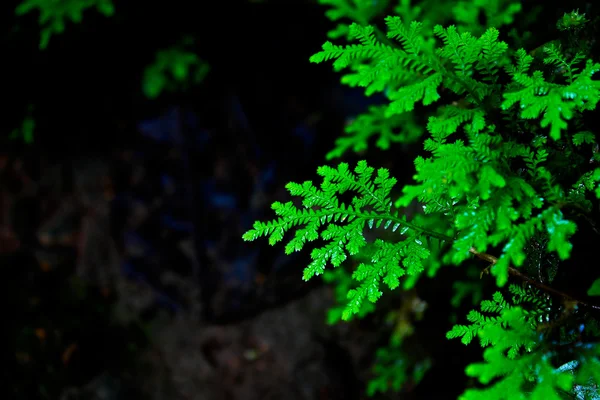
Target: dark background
(264,116)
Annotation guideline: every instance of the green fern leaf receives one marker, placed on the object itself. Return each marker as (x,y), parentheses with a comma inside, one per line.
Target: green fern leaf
(342,227)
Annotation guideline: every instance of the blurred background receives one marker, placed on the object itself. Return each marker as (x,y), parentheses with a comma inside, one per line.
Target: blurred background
(137,147)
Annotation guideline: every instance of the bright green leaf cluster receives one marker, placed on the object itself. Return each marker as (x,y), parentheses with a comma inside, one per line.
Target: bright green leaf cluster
(342,225)
(526,372)
(518,360)
(555,103)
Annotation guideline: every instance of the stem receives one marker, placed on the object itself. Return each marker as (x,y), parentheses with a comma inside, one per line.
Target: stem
(515,272)
(484,256)
(423,231)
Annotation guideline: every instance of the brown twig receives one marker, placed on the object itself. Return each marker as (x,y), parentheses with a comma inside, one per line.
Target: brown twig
(515,272)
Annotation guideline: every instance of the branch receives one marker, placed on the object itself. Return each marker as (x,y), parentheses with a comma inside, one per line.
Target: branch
(515,272)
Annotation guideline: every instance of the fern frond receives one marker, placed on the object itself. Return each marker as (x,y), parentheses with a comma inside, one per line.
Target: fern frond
(342,227)
(410,37)
(555,103)
(495,306)
(395,129)
(506,370)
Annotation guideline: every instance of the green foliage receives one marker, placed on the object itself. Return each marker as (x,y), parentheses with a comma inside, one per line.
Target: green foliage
(507,175)
(357,14)
(594,290)
(173,69)
(374,123)
(392,371)
(25,131)
(571,21)
(53,15)
(344,224)
(342,281)
(530,374)
(517,358)
(555,103)
(496,306)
